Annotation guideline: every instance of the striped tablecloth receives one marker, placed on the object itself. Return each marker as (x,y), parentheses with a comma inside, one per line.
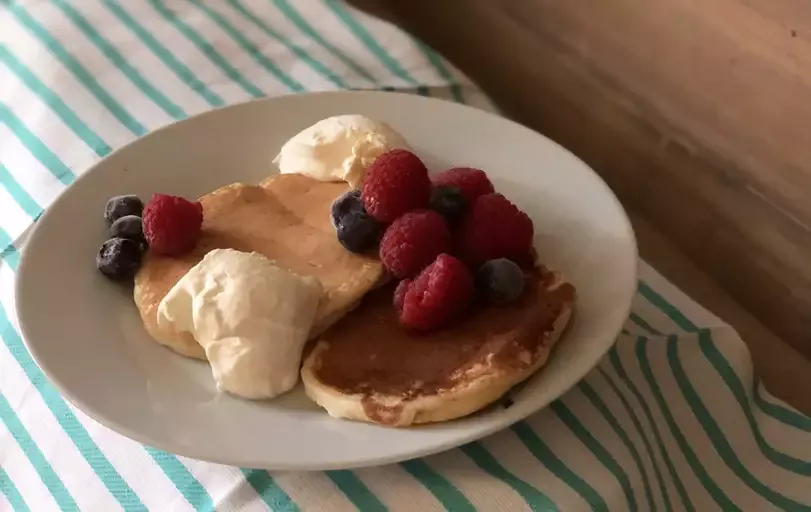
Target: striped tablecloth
(672,419)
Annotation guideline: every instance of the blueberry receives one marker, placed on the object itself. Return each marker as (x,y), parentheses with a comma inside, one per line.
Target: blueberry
(344,204)
(449,202)
(128,226)
(119,258)
(358,231)
(500,281)
(120,206)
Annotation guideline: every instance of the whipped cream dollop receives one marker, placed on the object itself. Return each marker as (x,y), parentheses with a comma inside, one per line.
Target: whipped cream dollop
(251,317)
(338,148)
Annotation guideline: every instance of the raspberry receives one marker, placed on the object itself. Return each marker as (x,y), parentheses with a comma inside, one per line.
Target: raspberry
(494,228)
(399,294)
(396,182)
(413,241)
(438,295)
(172,224)
(472,183)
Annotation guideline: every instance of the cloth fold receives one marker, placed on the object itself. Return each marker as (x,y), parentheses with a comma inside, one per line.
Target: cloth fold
(672,419)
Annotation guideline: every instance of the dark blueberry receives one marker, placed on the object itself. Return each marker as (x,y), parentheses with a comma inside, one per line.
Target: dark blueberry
(449,202)
(500,281)
(120,206)
(346,203)
(358,231)
(119,258)
(128,226)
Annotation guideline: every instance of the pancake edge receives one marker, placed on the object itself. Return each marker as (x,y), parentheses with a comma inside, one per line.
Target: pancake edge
(459,401)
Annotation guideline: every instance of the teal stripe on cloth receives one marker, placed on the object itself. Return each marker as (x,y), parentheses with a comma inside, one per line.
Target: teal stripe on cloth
(184,481)
(717,437)
(50,98)
(537,500)
(665,307)
(269,491)
(182,71)
(365,37)
(356,491)
(735,386)
(299,21)
(597,449)
(10,490)
(545,456)
(597,402)
(444,491)
(80,72)
(249,48)
(174,470)
(778,412)
(18,193)
(641,322)
(9,253)
(296,50)
(64,416)
(27,445)
(118,60)
(613,357)
(438,64)
(51,162)
(693,460)
(640,431)
(206,49)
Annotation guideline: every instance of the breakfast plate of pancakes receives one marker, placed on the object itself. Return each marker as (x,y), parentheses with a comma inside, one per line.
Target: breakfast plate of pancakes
(370,392)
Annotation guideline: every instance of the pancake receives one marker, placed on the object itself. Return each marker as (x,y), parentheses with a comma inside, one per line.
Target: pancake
(287,219)
(368,368)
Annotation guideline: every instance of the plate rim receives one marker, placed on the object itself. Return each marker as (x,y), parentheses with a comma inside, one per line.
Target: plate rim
(507,418)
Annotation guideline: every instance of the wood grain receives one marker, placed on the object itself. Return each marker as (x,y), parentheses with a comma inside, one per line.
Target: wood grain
(695,113)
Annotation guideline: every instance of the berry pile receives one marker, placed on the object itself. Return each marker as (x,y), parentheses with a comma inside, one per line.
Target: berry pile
(447,238)
(168,225)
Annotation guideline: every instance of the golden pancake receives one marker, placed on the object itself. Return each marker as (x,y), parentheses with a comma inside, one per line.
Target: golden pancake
(287,219)
(368,368)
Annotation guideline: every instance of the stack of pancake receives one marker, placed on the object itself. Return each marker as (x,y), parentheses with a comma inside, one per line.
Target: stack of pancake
(361,364)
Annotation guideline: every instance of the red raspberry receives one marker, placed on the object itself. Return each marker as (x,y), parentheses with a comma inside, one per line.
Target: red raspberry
(172,224)
(396,182)
(413,241)
(399,294)
(494,228)
(438,295)
(471,183)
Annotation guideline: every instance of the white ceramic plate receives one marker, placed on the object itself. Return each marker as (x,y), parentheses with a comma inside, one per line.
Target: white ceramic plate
(85,332)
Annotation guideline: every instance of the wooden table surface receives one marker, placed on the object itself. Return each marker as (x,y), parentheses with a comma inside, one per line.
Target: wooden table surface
(695,113)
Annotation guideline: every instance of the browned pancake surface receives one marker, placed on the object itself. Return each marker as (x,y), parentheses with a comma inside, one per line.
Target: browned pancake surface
(370,353)
(287,219)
